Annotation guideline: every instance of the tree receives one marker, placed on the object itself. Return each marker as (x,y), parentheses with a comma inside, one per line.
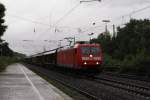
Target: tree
(106,42)
(133,38)
(4,48)
(2,26)
(130,49)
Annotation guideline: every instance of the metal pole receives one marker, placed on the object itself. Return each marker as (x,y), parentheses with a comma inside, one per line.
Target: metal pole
(106,21)
(106,28)
(74,40)
(114,33)
(59,45)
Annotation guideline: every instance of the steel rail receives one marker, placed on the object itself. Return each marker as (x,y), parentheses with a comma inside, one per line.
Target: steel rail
(130,88)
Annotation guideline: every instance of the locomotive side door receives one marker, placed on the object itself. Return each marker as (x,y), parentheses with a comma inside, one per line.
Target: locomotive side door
(75,58)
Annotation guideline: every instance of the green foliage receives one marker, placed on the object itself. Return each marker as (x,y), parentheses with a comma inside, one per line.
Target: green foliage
(130,49)
(5,50)
(105,41)
(2,14)
(133,38)
(140,65)
(5,61)
(110,64)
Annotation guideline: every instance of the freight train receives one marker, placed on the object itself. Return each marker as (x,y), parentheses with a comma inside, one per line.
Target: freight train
(81,56)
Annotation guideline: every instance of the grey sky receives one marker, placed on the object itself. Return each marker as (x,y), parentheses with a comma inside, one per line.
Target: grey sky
(23,16)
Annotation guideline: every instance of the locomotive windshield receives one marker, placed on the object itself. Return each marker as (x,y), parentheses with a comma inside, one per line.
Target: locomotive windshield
(90,50)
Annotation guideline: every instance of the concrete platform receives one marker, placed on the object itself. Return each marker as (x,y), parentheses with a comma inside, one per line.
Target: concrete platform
(19,83)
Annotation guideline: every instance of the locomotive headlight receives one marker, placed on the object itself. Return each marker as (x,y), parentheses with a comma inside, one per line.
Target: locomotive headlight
(91,56)
(85,63)
(97,63)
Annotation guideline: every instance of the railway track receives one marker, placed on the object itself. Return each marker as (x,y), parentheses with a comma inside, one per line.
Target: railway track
(96,88)
(92,97)
(48,73)
(130,88)
(132,77)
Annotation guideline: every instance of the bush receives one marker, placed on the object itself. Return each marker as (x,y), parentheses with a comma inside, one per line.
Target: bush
(127,64)
(110,64)
(5,61)
(139,65)
(142,66)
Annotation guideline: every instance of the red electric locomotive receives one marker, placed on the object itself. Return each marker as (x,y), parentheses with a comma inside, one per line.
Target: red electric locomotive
(81,56)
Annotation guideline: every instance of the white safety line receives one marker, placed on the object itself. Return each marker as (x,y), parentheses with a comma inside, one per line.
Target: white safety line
(33,86)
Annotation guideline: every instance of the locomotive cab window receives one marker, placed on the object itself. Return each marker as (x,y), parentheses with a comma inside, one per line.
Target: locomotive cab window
(90,50)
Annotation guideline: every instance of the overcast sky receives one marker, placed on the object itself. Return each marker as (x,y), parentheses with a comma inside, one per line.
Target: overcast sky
(40,20)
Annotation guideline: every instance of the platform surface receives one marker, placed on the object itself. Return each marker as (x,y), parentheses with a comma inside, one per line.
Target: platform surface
(20,83)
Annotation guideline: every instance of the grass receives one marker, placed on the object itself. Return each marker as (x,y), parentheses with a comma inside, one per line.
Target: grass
(5,61)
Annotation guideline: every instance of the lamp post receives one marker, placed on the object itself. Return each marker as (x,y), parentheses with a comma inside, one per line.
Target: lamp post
(106,21)
(89,1)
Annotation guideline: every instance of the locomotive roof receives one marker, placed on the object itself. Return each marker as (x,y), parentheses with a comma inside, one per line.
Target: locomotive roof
(78,45)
